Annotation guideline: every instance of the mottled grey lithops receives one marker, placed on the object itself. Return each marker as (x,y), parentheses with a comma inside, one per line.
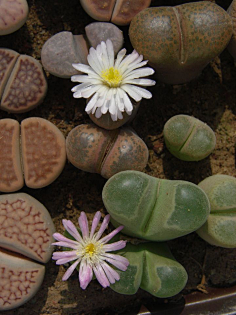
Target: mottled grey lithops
(61,50)
(23,85)
(188,138)
(13,15)
(232,44)
(96,150)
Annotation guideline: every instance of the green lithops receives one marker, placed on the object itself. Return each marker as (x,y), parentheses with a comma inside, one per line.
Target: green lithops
(151,268)
(220,227)
(154,209)
(188,138)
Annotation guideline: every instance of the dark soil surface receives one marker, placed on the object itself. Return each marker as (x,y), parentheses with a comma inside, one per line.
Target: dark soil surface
(210,98)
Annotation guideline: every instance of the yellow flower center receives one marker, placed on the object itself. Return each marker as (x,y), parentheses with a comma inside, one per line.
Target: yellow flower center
(112,77)
(90,249)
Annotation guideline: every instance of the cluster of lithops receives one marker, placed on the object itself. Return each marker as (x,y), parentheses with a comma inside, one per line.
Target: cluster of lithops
(23,85)
(38,145)
(26,230)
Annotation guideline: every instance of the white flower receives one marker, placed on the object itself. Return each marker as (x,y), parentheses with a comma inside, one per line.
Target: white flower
(108,81)
(90,251)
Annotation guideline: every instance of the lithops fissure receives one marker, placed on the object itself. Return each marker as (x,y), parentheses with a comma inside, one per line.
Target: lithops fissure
(154,209)
(23,85)
(97,150)
(180,41)
(220,227)
(188,138)
(13,15)
(39,160)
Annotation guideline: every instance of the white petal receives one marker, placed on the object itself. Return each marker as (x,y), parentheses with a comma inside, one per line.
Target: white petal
(98,113)
(129,59)
(86,93)
(138,73)
(134,66)
(110,51)
(82,68)
(80,78)
(119,58)
(105,59)
(127,102)
(79,88)
(132,93)
(95,65)
(142,92)
(91,103)
(143,82)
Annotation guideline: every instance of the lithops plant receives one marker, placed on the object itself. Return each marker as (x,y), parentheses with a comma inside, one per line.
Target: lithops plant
(23,85)
(13,15)
(220,227)
(152,268)
(180,41)
(232,44)
(119,12)
(152,208)
(25,228)
(188,138)
(34,151)
(96,150)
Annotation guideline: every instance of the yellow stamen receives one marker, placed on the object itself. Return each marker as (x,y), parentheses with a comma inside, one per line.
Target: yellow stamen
(112,77)
(90,249)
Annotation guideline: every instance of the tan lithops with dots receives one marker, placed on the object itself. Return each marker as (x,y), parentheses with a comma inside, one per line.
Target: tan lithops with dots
(11,176)
(20,279)
(26,226)
(43,151)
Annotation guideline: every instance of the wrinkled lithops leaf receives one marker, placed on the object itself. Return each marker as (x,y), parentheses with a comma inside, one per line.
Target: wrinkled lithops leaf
(188,138)
(62,50)
(43,151)
(26,86)
(152,268)
(11,174)
(154,209)
(180,41)
(26,226)
(101,31)
(13,14)
(100,10)
(220,227)
(232,44)
(96,150)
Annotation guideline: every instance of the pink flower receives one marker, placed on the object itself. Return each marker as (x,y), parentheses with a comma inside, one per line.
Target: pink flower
(90,251)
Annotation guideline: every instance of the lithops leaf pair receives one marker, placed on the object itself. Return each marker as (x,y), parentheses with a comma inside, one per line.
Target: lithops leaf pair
(23,85)
(220,227)
(232,44)
(188,138)
(25,228)
(13,15)
(180,41)
(96,150)
(119,12)
(151,268)
(154,209)
(38,145)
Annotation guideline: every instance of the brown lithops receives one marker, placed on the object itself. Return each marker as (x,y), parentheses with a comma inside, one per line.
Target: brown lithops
(43,153)
(13,14)
(119,12)
(23,85)
(95,150)
(180,41)
(232,44)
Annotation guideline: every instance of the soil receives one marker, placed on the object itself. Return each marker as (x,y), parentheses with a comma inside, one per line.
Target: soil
(210,98)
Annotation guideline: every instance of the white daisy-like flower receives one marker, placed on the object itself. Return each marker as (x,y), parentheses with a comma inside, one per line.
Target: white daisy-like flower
(111,82)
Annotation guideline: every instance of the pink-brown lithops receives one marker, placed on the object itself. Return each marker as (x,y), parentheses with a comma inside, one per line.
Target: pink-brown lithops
(61,50)
(180,41)
(96,150)
(43,151)
(13,15)
(119,12)
(232,44)
(23,85)
(11,175)
(20,279)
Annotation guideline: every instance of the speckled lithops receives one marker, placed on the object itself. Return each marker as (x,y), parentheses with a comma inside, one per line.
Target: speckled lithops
(152,268)
(25,228)
(61,50)
(23,85)
(232,44)
(119,12)
(188,138)
(180,41)
(43,153)
(13,14)
(96,150)
(220,227)
(152,208)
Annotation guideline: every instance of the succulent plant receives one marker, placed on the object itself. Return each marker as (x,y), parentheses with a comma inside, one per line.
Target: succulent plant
(180,41)
(154,209)
(188,138)
(232,44)
(152,268)
(96,150)
(220,227)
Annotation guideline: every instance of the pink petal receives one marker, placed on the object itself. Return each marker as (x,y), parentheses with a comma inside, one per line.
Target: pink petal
(70,227)
(101,277)
(70,270)
(85,275)
(83,223)
(118,261)
(65,260)
(60,255)
(103,226)
(96,220)
(114,246)
(111,274)
(60,237)
(66,244)
(108,237)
